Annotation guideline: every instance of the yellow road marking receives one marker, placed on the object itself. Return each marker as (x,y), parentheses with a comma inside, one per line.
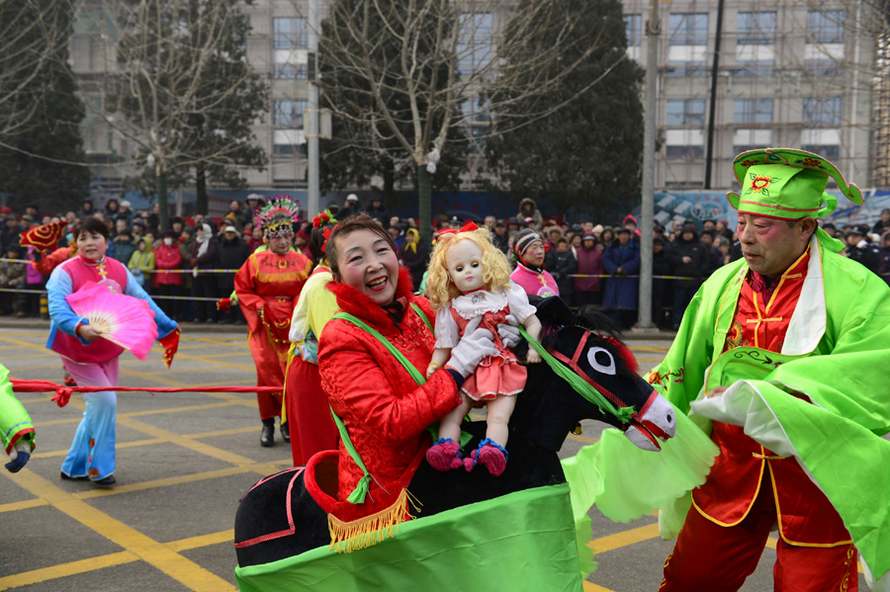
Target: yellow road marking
(624,538)
(22,505)
(119,445)
(262,469)
(71,568)
(591,587)
(147,549)
(204,540)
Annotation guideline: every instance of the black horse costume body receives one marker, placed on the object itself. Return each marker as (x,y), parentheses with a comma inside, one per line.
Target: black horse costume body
(278,518)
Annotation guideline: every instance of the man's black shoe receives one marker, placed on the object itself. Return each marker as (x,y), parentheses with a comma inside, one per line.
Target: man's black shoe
(285,432)
(106,482)
(267,436)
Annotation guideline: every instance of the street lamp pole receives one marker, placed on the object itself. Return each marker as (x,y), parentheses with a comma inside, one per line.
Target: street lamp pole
(653,32)
(312,137)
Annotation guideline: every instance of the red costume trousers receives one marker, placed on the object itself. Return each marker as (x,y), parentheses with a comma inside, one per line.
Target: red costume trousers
(308,413)
(713,558)
(269,372)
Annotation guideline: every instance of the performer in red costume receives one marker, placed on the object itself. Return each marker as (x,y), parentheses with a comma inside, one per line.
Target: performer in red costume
(268,286)
(384,411)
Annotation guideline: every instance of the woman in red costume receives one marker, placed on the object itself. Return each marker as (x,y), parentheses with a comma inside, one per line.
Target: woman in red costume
(268,285)
(384,411)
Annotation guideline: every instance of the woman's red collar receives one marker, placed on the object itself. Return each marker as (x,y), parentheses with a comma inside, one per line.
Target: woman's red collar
(360,305)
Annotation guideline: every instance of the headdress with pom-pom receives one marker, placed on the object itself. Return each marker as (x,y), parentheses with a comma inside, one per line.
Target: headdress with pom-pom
(278,216)
(322,226)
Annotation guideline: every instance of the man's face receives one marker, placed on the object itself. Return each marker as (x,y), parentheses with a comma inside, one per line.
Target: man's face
(234,206)
(562,247)
(853,239)
(770,246)
(708,225)
(885,216)
(623,238)
(120,225)
(177,227)
(500,230)
(707,240)
(230,236)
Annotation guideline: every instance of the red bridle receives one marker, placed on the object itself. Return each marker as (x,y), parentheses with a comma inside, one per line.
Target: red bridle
(573,364)
(647,428)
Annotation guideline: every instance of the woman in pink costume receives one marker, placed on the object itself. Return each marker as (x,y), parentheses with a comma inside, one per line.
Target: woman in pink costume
(92,361)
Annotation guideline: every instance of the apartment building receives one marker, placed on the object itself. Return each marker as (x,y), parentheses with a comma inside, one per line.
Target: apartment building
(790,73)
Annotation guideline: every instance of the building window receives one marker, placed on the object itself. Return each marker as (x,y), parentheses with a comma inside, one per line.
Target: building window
(475,46)
(633,28)
(685,112)
(289,71)
(822,111)
(688,44)
(688,29)
(290,33)
(289,150)
(477,121)
(756,28)
(288,113)
(825,26)
(748,111)
(685,152)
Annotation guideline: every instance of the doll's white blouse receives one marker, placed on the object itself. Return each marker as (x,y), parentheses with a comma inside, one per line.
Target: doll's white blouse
(474,304)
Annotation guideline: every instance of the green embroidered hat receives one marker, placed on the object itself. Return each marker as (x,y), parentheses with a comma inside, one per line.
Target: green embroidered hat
(787,183)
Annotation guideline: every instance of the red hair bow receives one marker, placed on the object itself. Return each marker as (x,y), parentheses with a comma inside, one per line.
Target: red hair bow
(469,227)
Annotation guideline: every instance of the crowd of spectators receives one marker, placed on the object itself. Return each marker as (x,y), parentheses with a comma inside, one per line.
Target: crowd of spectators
(592,263)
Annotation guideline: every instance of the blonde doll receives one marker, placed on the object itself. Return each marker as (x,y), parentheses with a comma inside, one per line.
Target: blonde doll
(469,286)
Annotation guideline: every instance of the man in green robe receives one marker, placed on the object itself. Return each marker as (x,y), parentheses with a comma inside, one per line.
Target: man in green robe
(16,429)
(784,356)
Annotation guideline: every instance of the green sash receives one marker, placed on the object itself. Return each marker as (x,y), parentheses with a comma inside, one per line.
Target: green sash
(360,492)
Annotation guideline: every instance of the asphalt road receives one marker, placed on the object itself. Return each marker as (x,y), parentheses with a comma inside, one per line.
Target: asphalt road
(183,462)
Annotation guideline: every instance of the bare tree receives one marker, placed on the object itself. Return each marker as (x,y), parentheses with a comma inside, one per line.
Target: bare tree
(31,34)
(413,72)
(183,85)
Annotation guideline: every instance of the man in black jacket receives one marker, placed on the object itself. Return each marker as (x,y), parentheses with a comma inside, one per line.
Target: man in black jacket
(689,260)
(233,252)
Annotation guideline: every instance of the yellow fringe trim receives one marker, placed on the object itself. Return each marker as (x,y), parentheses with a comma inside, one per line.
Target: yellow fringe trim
(362,533)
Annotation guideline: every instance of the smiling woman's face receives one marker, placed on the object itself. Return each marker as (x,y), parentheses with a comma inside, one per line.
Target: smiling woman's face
(366,262)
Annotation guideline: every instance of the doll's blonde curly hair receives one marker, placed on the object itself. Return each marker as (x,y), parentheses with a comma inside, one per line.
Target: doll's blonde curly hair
(440,289)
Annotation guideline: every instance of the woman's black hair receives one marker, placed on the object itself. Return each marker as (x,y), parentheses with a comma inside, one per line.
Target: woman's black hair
(92,225)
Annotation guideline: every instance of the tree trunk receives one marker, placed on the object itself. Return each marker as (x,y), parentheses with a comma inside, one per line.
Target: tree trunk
(201,199)
(424,198)
(163,211)
(389,183)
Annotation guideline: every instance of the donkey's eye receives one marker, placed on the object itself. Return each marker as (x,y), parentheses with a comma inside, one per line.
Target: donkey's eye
(601,360)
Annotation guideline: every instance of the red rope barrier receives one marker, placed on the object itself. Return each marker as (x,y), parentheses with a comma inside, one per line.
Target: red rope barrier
(63,393)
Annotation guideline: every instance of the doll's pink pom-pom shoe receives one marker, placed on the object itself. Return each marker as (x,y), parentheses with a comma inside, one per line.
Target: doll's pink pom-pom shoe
(444,455)
(489,454)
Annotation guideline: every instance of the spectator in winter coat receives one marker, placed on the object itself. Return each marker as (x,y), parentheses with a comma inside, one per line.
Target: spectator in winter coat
(377,211)
(204,256)
(712,255)
(561,264)
(233,252)
(859,249)
(500,238)
(621,298)
(689,260)
(414,255)
(168,257)
(588,290)
(662,297)
(122,247)
(882,225)
(142,263)
(529,209)
(12,277)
